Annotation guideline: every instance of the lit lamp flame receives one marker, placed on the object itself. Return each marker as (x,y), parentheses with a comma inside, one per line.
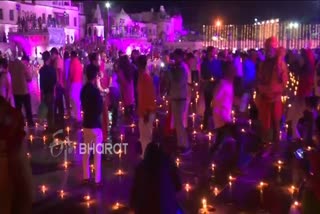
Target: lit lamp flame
(204,204)
(65,164)
(44,189)
(117,206)
(279,165)
(187,187)
(213,166)
(31,138)
(216,191)
(296,204)
(262,185)
(120,172)
(87,197)
(68,130)
(62,194)
(292,189)
(178,162)
(92,167)
(210,136)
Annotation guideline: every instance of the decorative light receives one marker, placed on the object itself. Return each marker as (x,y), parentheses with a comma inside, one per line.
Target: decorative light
(204,204)
(62,194)
(178,162)
(117,206)
(216,191)
(108,5)
(218,23)
(187,187)
(213,166)
(44,189)
(119,172)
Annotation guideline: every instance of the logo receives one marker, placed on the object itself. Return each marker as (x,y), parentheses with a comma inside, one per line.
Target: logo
(57,147)
(66,147)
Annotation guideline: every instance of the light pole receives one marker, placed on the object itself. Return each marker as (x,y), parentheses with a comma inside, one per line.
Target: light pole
(218,25)
(108,6)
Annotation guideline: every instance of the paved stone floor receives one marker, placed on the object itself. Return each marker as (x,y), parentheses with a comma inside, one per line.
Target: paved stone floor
(239,195)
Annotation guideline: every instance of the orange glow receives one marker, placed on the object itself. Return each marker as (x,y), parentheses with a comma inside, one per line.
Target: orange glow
(218,23)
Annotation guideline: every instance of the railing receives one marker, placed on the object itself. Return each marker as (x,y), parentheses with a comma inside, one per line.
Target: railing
(128,35)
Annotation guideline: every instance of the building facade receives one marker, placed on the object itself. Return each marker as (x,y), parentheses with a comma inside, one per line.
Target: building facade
(29,24)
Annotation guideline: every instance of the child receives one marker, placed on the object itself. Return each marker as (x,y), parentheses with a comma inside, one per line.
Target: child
(222,104)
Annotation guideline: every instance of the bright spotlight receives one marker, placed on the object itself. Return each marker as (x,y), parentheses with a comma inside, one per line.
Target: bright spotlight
(272,21)
(255,19)
(218,23)
(108,5)
(295,25)
(291,25)
(214,38)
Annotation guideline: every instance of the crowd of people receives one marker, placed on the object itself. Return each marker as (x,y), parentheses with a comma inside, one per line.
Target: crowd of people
(218,81)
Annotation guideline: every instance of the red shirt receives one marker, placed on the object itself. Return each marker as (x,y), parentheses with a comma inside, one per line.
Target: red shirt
(147,95)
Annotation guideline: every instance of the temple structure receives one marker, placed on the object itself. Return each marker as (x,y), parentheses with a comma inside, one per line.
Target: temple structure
(96,28)
(148,30)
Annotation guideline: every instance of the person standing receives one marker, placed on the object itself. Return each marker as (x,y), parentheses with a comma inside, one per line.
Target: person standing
(21,76)
(66,67)
(210,75)
(15,169)
(5,82)
(272,77)
(114,95)
(126,80)
(146,103)
(190,61)
(92,106)
(305,90)
(103,86)
(76,80)
(178,91)
(134,57)
(222,104)
(249,78)
(48,80)
(57,64)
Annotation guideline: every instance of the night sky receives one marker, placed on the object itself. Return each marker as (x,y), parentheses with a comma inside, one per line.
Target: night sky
(196,13)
